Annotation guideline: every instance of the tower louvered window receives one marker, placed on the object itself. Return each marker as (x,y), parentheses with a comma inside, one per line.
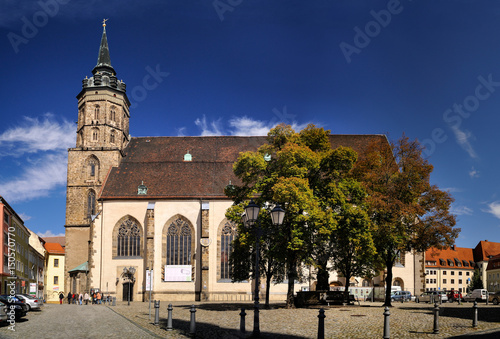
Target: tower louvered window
(91,207)
(179,243)
(129,239)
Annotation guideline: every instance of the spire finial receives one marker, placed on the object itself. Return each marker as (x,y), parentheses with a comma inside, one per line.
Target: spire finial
(104,22)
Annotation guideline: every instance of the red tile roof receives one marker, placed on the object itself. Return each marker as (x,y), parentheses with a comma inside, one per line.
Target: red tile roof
(444,257)
(159,163)
(486,249)
(494,263)
(54,248)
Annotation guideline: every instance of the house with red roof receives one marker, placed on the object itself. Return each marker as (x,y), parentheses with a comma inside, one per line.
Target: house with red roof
(449,269)
(54,268)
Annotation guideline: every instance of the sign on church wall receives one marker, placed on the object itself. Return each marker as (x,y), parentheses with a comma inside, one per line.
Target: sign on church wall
(178,272)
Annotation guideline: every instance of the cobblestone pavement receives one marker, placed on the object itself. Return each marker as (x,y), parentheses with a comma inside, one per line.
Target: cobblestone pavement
(73,321)
(222,320)
(408,320)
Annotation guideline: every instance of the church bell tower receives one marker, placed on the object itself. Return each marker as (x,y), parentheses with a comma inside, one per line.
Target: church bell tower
(102,134)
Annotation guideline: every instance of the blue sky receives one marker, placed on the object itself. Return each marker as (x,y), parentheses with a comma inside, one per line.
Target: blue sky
(429,69)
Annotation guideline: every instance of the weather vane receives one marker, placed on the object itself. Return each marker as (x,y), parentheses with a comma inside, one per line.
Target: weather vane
(104,22)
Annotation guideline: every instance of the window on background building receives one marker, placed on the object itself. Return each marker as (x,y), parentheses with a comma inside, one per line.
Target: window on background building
(95,134)
(112,137)
(444,273)
(129,239)
(96,112)
(112,114)
(467,274)
(460,273)
(56,262)
(460,281)
(56,280)
(452,273)
(444,281)
(426,281)
(6,217)
(452,281)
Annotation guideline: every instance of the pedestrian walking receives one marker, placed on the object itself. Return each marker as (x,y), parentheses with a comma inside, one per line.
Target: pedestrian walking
(80,299)
(86,298)
(99,298)
(61,297)
(69,297)
(74,298)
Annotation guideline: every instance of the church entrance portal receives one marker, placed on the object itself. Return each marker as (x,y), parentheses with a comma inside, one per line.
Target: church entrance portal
(128,286)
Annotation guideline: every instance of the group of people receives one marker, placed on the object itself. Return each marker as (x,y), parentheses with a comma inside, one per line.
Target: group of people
(80,299)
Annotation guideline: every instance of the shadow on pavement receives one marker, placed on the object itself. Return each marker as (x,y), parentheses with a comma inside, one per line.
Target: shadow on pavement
(205,330)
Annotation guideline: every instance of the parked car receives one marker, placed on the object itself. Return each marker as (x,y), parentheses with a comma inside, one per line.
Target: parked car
(454,295)
(432,296)
(31,302)
(494,297)
(20,308)
(479,294)
(3,312)
(401,295)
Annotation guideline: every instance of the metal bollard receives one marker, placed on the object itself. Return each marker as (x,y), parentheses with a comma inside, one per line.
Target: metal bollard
(169,320)
(474,316)
(321,324)
(242,321)
(192,325)
(387,330)
(436,319)
(157,312)
(487,297)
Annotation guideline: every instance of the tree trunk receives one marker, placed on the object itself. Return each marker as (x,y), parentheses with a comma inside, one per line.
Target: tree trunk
(322,277)
(388,283)
(292,273)
(268,287)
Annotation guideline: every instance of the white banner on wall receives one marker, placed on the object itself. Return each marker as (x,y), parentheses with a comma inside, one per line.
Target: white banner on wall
(178,272)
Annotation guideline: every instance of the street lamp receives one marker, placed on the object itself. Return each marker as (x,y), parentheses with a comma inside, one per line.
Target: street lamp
(129,273)
(251,218)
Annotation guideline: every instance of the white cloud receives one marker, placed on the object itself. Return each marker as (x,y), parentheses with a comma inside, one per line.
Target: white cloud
(473,173)
(214,128)
(461,210)
(463,139)
(37,180)
(35,135)
(38,148)
(494,208)
(49,234)
(25,217)
(247,127)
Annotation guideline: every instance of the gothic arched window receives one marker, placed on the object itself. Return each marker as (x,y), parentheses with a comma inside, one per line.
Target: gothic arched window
(112,137)
(95,134)
(91,204)
(96,112)
(226,237)
(179,244)
(112,114)
(129,239)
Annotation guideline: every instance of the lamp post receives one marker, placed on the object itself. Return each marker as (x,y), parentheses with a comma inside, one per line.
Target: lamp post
(129,273)
(251,219)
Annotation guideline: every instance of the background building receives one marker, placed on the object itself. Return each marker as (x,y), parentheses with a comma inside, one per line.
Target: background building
(54,272)
(493,274)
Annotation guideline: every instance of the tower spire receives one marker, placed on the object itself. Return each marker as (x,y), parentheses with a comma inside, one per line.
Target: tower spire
(103,59)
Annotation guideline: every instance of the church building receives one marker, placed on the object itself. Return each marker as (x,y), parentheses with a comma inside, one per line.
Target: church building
(147,214)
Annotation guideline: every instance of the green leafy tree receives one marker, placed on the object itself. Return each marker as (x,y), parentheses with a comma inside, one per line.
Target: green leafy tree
(315,186)
(476,281)
(407,211)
